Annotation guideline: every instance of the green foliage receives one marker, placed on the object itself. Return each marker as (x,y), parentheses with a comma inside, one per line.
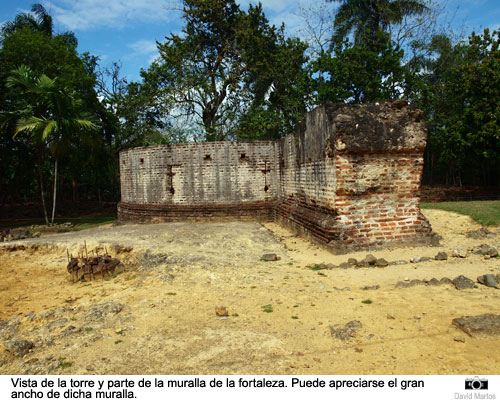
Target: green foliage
(230,65)
(89,164)
(460,98)
(358,73)
(367,18)
(485,212)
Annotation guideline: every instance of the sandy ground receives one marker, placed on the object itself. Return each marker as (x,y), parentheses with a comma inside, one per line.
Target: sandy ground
(158,315)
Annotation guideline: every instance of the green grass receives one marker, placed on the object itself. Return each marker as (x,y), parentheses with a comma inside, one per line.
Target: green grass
(63,364)
(485,212)
(268,308)
(368,301)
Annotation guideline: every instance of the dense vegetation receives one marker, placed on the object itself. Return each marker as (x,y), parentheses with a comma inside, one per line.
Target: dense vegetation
(231,75)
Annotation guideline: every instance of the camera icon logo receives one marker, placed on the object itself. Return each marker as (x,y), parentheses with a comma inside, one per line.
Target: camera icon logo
(476,383)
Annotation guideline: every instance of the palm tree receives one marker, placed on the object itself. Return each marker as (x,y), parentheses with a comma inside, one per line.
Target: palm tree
(366,18)
(38,20)
(51,115)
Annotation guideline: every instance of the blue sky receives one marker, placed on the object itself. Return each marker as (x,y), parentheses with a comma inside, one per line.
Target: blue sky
(126,30)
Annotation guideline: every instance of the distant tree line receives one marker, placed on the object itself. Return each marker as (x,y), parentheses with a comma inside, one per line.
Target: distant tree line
(231,75)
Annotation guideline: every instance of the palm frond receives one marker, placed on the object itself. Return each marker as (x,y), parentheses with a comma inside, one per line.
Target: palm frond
(51,126)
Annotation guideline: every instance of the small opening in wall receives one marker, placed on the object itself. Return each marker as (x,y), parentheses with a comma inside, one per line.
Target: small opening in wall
(142,160)
(266,188)
(172,190)
(208,157)
(243,156)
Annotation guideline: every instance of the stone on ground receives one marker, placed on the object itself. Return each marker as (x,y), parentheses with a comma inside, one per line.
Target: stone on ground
(479,325)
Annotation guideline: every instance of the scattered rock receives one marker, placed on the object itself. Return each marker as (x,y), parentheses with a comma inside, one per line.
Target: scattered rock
(345,332)
(370,259)
(352,261)
(373,287)
(399,262)
(481,233)
(390,315)
(425,259)
(462,282)
(489,280)
(460,253)
(479,325)
(460,339)
(99,311)
(415,260)
(434,282)
(441,256)
(18,347)
(270,257)
(381,262)
(221,311)
(345,265)
(446,281)
(486,250)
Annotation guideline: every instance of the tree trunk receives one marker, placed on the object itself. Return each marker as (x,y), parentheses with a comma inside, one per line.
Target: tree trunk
(73,185)
(55,192)
(43,196)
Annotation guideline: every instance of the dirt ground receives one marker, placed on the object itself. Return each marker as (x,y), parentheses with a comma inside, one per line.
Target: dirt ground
(158,315)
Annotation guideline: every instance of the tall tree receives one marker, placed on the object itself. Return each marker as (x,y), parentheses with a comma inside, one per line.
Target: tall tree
(38,20)
(359,73)
(364,18)
(51,114)
(219,66)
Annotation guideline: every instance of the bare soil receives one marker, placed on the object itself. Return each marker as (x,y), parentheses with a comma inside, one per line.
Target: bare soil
(158,315)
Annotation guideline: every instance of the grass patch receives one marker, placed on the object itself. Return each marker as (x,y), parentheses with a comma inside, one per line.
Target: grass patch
(314,267)
(64,364)
(295,317)
(485,212)
(118,341)
(268,308)
(367,301)
(89,329)
(171,294)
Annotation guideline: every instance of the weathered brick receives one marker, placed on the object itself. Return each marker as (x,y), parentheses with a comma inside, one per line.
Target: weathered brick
(349,177)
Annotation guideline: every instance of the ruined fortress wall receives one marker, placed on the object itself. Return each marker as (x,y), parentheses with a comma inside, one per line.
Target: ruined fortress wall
(349,177)
(198,180)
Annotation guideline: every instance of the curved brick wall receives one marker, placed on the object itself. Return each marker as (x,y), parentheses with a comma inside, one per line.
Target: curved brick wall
(198,180)
(348,178)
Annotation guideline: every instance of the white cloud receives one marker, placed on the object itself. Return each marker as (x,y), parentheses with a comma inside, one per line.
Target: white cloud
(143,47)
(87,14)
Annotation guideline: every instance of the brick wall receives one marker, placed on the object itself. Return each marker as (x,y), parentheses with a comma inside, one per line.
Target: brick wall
(349,177)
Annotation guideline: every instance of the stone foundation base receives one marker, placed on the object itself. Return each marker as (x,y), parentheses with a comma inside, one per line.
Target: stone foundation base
(315,223)
(260,211)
